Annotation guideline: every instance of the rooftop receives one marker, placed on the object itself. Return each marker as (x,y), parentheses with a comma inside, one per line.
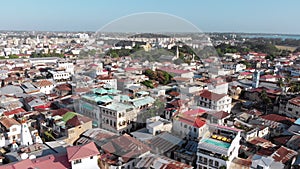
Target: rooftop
(83,151)
(211,96)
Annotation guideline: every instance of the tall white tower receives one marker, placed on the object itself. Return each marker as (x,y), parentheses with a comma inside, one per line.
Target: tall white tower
(177,53)
(26,138)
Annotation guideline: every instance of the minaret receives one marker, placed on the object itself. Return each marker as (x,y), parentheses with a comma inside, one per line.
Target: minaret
(26,138)
(37,39)
(177,53)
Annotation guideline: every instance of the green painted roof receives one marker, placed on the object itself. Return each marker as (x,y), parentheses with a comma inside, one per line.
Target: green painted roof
(143,92)
(68,116)
(119,106)
(143,101)
(124,98)
(113,91)
(96,98)
(100,91)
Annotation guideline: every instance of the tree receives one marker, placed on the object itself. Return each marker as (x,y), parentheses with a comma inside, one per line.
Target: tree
(280,83)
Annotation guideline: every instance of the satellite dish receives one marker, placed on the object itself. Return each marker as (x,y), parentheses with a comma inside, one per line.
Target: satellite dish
(24,156)
(32,157)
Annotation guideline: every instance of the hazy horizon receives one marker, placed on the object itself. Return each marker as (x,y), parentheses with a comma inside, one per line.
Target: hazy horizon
(271,17)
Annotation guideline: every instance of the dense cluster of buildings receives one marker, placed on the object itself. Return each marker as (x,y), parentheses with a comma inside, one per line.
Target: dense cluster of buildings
(97,113)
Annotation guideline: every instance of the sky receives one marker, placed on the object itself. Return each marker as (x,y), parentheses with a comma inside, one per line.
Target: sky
(252,16)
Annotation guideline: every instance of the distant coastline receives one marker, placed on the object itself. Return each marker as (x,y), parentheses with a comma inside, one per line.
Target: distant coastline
(271,36)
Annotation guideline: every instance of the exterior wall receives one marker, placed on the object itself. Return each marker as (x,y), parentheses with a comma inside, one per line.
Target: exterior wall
(185,130)
(14,131)
(209,160)
(46,89)
(264,133)
(223,104)
(68,66)
(86,163)
(160,128)
(292,110)
(220,89)
(75,132)
(90,110)
(111,82)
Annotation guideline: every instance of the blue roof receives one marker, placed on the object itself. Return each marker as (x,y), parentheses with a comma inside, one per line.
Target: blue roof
(297,121)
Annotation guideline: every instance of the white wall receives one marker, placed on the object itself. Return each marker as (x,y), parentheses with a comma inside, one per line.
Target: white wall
(86,163)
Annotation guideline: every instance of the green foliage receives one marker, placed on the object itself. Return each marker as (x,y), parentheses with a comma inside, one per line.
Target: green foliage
(295,87)
(13,57)
(264,97)
(248,65)
(49,136)
(148,83)
(161,76)
(42,55)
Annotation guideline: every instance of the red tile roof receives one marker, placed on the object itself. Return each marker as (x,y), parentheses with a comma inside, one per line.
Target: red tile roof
(220,114)
(64,87)
(211,96)
(51,161)
(13,112)
(192,118)
(82,151)
(43,83)
(295,101)
(283,154)
(8,122)
(126,147)
(277,118)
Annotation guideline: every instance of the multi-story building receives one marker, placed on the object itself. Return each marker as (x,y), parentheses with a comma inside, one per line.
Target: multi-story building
(67,65)
(60,76)
(111,110)
(218,147)
(189,124)
(45,86)
(214,101)
(292,108)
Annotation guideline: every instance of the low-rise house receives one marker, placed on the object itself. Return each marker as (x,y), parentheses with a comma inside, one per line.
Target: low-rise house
(33,102)
(292,108)
(83,156)
(189,124)
(122,152)
(281,159)
(29,88)
(187,153)
(45,86)
(11,130)
(68,124)
(278,124)
(63,89)
(75,157)
(160,162)
(165,144)
(156,125)
(218,117)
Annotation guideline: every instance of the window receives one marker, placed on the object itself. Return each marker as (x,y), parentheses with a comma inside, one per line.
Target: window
(259,167)
(211,162)
(77,161)
(91,157)
(216,163)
